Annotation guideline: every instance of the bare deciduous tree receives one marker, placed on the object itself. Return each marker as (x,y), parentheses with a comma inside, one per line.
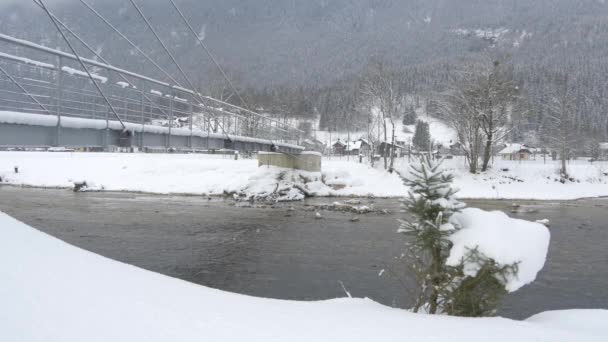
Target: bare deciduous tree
(477,106)
(498,94)
(380,88)
(559,129)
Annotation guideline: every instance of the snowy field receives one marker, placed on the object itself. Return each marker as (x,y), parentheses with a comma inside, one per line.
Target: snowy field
(182,174)
(530,180)
(52,291)
(440,132)
(217,175)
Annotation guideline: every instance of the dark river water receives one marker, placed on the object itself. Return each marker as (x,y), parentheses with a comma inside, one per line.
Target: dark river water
(288,253)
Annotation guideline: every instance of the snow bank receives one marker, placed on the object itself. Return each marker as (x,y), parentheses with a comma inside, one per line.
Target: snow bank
(153,173)
(277,184)
(355,179)
(531,179)
(52,291)
(183,173)
(188,174)
(503,239)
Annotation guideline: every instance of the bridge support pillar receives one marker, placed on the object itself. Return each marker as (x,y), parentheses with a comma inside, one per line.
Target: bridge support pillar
(306,161)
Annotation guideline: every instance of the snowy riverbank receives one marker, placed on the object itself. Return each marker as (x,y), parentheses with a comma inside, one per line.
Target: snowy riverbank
(54,291)
(533,179)
(217,175)
(186,174)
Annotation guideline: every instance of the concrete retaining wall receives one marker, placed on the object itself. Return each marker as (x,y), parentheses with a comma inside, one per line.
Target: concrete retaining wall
(306,161)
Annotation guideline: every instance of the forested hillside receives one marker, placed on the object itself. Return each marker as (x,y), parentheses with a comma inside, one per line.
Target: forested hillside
(308,58)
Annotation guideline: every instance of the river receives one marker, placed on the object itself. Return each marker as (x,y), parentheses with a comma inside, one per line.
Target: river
(287,252)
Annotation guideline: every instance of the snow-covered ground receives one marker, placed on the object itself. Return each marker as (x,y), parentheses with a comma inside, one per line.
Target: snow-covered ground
(184,174)
(440,132)
(216,175)
(530,180)
(51,291)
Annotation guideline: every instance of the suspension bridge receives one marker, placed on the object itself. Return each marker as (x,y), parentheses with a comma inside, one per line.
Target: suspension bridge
(50,97)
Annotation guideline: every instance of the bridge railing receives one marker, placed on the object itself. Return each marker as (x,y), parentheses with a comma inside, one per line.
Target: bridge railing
(38,75)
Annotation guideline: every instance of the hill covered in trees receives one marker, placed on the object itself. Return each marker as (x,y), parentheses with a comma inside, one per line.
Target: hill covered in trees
(307,58)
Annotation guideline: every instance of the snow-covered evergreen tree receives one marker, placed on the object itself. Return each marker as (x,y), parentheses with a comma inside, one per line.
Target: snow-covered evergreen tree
(422,136)
(446,288)
(431,201)
(410,117)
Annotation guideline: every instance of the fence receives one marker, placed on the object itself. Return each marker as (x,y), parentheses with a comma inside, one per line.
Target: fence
(51,82)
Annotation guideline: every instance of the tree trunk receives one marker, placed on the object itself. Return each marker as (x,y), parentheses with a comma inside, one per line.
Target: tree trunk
(473,165)
(435,282)
(385,143)
(392,149)
(564,169)
(487,153)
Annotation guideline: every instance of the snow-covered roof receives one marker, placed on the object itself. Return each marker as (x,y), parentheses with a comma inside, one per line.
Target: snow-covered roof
(513,148)
(353,145)
(604,146)
(390,143)
(312,142)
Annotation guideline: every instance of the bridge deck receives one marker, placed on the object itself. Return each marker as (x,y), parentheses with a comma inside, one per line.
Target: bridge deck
(25,129)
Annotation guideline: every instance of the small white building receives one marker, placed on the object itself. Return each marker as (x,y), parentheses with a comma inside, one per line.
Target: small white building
(516,152)
(358,147)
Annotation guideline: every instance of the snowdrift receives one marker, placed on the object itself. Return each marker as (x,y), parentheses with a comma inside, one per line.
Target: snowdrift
(51,291)
(503,239)
(214,175)
(189,174)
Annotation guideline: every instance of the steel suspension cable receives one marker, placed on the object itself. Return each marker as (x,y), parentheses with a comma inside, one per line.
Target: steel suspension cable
(208,52)
(164,46)
(145,55)
(24,90)
(84,67)
(103,60)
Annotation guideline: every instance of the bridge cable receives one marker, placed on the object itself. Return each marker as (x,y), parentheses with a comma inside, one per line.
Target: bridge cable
(81,63)
(191,85)
(146,56)
(206,49)
(105,21)
(202,44)
(131,43)
(104,61)
(25,90)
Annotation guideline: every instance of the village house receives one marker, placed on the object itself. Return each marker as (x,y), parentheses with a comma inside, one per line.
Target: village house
(338,148)
(358,147)
(385,147)
(516,152)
